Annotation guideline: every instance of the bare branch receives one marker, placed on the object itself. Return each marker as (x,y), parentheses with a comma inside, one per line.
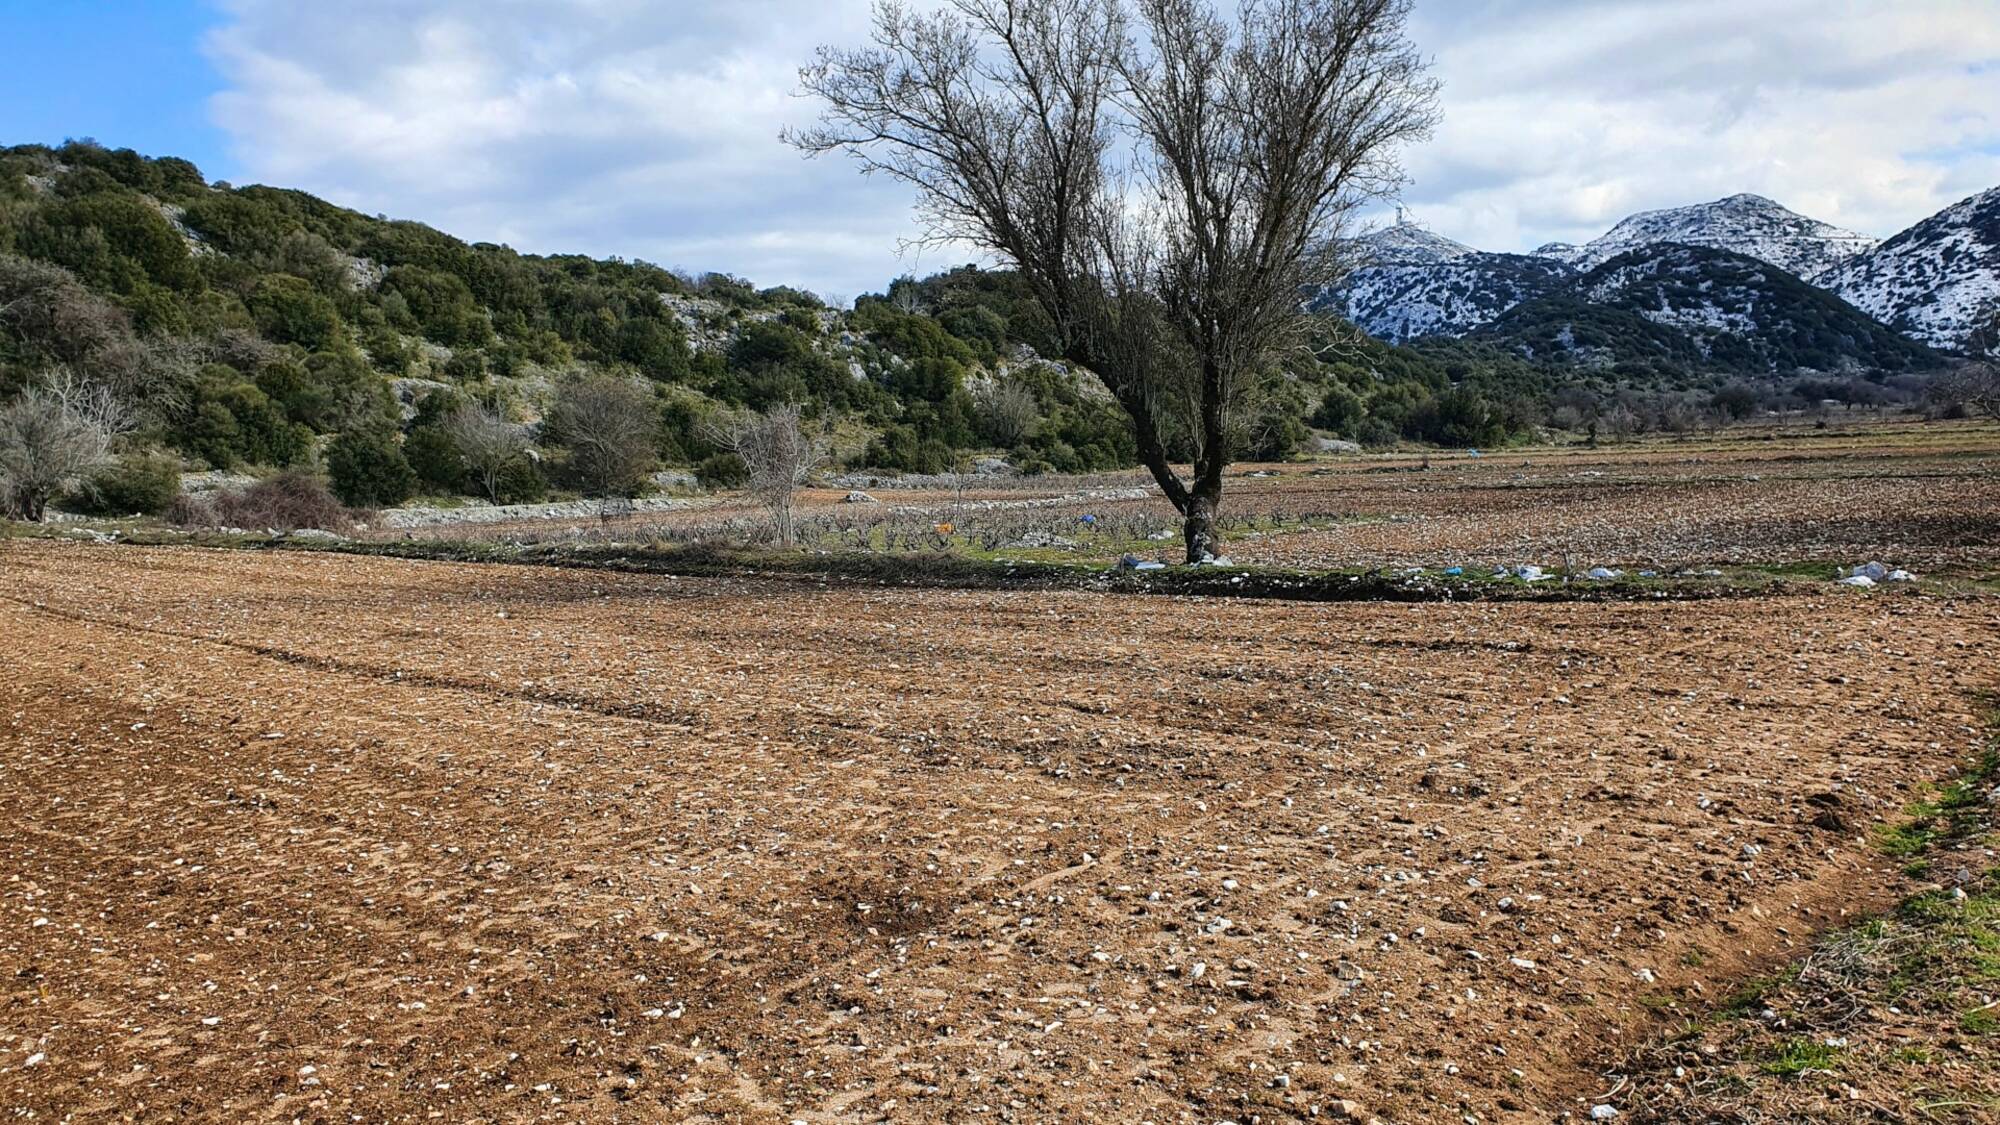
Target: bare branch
(780,451)
(1167,181)
(52,437)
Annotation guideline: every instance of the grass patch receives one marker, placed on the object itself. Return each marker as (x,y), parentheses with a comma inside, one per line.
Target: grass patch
(1799,1056)
(1957,809)
(1905,1006)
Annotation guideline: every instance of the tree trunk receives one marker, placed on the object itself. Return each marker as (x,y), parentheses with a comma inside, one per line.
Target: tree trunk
(783,510)
(1198,528)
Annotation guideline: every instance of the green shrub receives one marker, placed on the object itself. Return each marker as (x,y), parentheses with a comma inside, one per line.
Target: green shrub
(434,457)
(723,470)
(368,469)
(142,484)
(290,311)
(520,482)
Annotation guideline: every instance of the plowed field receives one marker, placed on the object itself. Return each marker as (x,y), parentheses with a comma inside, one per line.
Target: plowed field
(292,836)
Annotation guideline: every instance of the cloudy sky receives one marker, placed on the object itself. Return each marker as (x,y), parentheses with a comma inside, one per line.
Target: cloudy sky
(649,129)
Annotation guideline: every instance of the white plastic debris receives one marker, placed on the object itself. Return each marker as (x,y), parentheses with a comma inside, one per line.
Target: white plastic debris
(1603,1112)
(1901,576)
(1857,580)
(1603,572)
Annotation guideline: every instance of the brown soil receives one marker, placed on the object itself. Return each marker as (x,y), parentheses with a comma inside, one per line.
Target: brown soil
(1920,495)
(292,836)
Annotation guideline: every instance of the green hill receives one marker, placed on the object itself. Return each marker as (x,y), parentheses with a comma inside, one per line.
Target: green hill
(259,327)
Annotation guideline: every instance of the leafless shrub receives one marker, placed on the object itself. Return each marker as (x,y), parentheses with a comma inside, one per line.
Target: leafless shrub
(780,452)
(50,311)
(608,426)
(1007,411)
(489,444)
(1973,385)
(291,501)
(52,437)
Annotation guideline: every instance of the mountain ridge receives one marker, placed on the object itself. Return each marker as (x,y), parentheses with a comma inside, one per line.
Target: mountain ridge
(1703,307)
(1938,280)
(1744,223)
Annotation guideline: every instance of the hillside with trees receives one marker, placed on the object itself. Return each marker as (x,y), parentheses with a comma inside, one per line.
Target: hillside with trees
(203,326)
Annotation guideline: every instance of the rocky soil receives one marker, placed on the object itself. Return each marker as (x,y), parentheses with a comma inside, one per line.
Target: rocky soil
(295,836)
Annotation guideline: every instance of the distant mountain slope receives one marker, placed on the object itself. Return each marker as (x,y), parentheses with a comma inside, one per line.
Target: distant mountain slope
(1935,280)
(1743,224)
(1451,297)
(1694,306)
(1408,244)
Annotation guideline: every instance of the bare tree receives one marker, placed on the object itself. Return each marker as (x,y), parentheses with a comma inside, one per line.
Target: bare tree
(905,296)
(1168,182)
(488,444)
(608,425)
(52,436)
(1008,411)
(781,452)
(1973,384)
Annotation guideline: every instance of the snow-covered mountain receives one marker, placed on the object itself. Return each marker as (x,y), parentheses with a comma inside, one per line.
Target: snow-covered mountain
(1699,307)
(1407,244)
(1934,283)
(1402,303)
(1740,224)
(1417,283)
(1936,280)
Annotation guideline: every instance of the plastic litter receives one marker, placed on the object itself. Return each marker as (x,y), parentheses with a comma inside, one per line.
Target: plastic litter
(1454,571)
(1857,580)
(1603,572)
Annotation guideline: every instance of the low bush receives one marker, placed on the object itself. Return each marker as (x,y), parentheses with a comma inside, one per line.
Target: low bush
(368,468)
(724,470)
(290,501)
(137,484)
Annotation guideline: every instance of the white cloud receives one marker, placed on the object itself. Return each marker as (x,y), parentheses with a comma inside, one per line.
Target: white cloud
(1563,116)
(650,129)
(602,126)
